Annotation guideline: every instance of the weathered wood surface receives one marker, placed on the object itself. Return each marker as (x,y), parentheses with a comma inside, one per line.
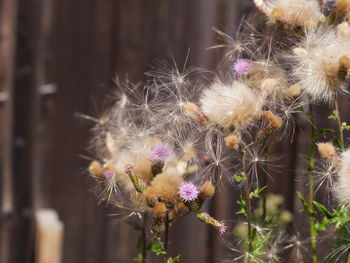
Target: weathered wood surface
(79,46)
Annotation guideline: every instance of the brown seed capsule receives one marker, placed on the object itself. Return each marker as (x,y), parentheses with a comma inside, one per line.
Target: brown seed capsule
(151,196)
(275,121)
(159,209)
(232,141)
(329,153)
(192,111)
(95,169)
(293,91)
(207,190)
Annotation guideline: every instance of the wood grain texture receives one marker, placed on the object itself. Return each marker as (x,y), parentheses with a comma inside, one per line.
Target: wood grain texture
(80,46)
(8,22)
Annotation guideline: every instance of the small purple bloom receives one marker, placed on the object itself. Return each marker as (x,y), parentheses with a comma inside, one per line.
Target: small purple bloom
(160,152)
(188,192)
(222,228)
(242,66)
(109,174)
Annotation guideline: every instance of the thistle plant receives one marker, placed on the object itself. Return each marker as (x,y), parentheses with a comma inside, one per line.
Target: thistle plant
(163,147)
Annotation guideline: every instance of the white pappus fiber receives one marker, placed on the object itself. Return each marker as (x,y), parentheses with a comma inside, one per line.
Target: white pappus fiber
(230,106)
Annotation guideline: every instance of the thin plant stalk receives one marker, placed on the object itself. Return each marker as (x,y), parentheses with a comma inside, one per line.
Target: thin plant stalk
(166,238)
(246,196)
(310,171)
(144,240)
(341,146)
(340,125)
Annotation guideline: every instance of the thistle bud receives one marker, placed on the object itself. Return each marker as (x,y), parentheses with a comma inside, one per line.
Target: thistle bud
(157,167)
(207,219)
(139,184)
(192,111)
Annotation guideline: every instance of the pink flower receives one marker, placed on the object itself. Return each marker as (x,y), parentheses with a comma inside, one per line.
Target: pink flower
(242,66)
(222,228)
(160,152)
(109,174)
(188,192)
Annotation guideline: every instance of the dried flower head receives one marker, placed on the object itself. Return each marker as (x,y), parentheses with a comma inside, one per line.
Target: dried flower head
(151,196)
(207,189)
(166,186)
(230,106)
(232,141)
(269,79)
(327,150)
(320,64)
(296,13)
(342,187)
(342,6)
(95,169)
(159,209)
(293,91)
(188,191)
(194,112)
(275,121)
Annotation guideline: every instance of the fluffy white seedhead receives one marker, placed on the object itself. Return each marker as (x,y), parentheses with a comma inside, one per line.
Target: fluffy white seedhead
(269,79)
(297,13)
(342,187)
(317,62)
(230,106)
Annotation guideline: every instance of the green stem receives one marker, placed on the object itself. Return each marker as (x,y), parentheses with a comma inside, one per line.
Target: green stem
(246,196)
(340,126)
(144,240)
(311,211)
(341,145)
(166,238)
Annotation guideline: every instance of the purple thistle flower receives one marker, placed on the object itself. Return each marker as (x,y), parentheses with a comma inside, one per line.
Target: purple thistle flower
(222,228)
(242,66)
(109,174)
(188,192)
(160,152)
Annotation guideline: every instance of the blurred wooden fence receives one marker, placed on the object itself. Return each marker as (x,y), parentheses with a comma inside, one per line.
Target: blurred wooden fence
(59,58)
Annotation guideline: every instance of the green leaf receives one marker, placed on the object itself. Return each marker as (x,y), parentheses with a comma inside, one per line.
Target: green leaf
(174,260)
(134,225)
(323,132)
(333,116)
(337,143)
(243,204)
(239,178)
(157,248)
(346,127)
(303,201)
(320,226)
(256,193)
(323,210)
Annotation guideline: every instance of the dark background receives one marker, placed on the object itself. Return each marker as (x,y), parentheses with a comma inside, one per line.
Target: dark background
(79,46)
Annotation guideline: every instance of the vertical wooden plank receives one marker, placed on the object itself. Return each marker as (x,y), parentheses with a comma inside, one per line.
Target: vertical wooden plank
(26,122)
(8,14)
